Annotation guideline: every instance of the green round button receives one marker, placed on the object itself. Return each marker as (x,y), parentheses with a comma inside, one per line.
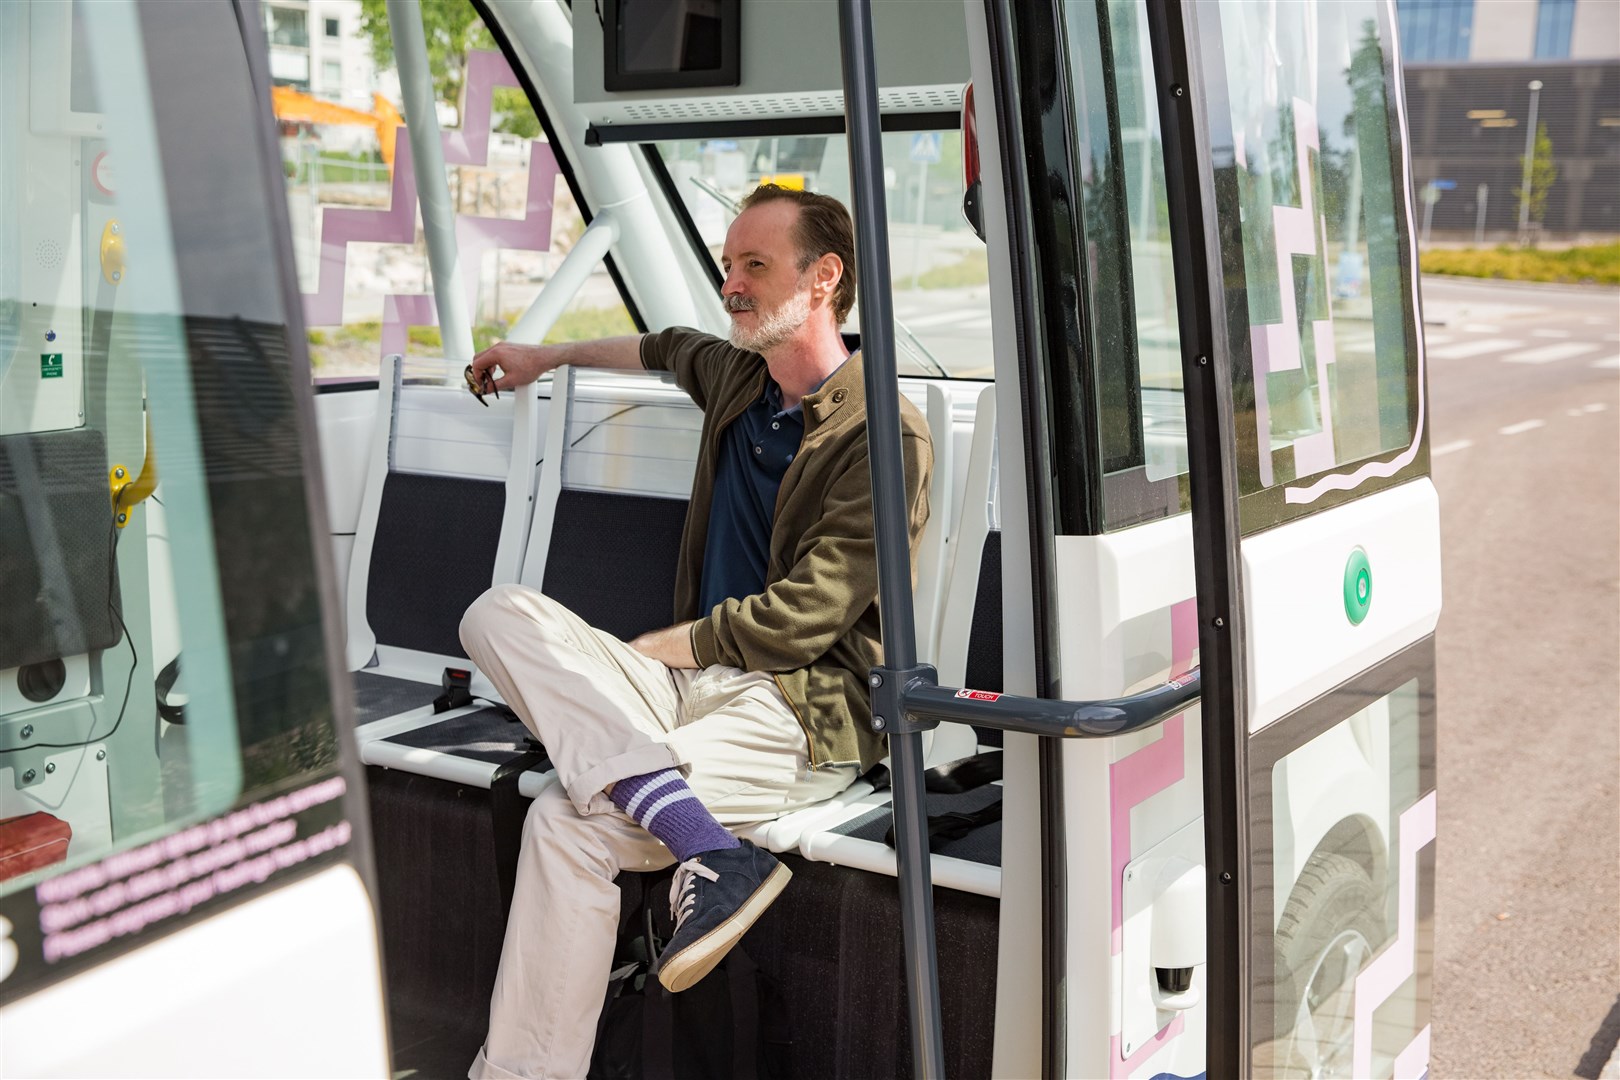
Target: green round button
(1357,587)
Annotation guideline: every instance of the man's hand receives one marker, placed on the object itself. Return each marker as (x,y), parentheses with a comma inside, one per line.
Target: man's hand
(671,646)
(519,364)
(522,364)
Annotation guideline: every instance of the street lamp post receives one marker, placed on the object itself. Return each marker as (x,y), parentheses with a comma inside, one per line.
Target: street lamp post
(1529,159)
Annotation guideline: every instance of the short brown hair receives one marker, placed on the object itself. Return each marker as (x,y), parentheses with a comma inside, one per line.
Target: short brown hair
(823,227)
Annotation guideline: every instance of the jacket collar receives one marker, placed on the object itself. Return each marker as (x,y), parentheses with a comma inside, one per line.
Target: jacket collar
(844,389)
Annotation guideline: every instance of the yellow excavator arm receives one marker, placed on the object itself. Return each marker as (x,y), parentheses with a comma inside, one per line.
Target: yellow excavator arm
(297,107)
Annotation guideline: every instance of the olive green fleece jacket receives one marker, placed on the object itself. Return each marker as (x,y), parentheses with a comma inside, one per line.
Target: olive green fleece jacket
(815,627)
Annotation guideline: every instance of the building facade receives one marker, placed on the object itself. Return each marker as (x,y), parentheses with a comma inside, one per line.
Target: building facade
(1474,71)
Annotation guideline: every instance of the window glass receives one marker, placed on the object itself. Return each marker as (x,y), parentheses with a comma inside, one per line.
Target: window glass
(1435,29)
(1346,998)
(941,275)
(1555,22)
(107,562)
(168,741)
(287,26)
(1129,307)
(1319,294)
(351,191)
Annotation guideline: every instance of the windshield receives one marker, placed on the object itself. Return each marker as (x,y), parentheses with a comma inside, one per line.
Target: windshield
(941,278)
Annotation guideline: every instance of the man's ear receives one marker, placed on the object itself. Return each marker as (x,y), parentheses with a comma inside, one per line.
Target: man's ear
(829,272)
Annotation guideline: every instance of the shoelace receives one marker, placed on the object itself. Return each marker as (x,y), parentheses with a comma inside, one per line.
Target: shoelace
(683,889)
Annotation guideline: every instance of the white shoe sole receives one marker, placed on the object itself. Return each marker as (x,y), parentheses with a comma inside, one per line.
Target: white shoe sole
(700,957)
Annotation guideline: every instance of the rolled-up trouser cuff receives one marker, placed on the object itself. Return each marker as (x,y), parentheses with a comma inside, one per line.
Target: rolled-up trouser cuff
(585,790)
(485,1069)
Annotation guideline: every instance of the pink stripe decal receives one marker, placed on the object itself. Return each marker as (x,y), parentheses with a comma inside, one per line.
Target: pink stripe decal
(476,236)
(1133,780)
(1381,978)
(1120,1067)
(1413,1062)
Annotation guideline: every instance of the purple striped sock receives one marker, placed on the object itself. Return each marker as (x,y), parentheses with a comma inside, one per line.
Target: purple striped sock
(665,806)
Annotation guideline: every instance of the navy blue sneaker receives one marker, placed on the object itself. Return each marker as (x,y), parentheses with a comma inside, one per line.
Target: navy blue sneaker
(714,899)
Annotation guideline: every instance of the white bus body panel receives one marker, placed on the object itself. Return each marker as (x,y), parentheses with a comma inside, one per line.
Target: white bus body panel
(1301,644)
(288,984)
(1127,617)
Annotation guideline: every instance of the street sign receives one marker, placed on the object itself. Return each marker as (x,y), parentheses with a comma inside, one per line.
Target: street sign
(1444,185)
(925,147)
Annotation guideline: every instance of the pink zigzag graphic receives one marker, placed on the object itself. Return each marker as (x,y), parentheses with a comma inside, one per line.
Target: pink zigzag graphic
(1133,780)
(475,235)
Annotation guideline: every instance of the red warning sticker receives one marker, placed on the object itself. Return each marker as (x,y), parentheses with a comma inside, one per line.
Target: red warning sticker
(978,695)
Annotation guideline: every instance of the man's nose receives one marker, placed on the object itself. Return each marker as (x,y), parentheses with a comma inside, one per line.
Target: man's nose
(733,283)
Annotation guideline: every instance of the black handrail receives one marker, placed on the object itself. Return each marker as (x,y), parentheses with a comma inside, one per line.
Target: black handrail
(1055,719)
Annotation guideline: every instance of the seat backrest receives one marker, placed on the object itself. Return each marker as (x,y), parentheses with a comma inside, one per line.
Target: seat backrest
(970,613)
(443,512)
(612,559)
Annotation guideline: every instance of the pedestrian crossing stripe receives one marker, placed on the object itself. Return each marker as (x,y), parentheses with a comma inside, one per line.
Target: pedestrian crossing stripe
(1548,353)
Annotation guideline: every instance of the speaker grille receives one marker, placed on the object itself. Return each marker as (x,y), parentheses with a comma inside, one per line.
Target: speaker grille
(50,254)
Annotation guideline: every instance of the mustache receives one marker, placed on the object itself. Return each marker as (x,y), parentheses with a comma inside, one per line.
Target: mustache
(739,303)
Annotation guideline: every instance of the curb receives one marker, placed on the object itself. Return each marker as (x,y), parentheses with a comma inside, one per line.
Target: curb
(1574,288)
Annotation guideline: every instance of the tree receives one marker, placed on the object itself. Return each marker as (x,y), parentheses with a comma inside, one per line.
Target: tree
(452,29)
(1543,174)
(448,30)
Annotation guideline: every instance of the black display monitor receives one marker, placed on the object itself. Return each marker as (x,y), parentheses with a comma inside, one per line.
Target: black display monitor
(668,44)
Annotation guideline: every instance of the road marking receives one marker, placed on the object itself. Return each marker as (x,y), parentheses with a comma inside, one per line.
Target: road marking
(1550,333)
(1521,427)
(1437,339)
(1596,406)
(1451,447)
(1597,320)
(1548,353)
(1465,349)
(1480,328)
(1611,363)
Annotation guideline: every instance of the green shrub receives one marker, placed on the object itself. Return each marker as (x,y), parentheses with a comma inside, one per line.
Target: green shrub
(971,269)
(1598,264)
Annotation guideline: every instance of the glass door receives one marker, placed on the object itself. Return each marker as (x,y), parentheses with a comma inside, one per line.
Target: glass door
(1316,530)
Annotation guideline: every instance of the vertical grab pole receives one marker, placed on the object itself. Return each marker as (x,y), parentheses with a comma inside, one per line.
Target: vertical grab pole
(889,520)
(432,189)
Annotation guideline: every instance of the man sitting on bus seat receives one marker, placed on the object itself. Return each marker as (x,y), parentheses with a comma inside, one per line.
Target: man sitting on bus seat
(754,703)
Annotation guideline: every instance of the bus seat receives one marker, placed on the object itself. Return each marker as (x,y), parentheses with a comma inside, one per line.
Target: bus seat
(939,541)
(438,525)
(852,833)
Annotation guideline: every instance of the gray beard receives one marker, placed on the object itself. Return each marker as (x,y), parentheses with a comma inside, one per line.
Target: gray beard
(775,328)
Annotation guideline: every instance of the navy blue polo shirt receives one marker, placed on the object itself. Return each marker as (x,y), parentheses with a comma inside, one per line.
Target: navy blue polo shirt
(755,452)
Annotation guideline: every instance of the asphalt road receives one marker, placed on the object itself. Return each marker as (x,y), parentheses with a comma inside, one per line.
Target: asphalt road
(1526,444)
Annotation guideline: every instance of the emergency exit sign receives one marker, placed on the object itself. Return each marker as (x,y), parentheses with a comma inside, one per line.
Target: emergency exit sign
(50,365)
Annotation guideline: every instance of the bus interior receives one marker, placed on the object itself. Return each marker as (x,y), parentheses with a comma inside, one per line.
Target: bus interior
(250,322)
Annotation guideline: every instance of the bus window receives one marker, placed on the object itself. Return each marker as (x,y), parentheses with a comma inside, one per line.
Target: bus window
(169,747)
(939,271)
(116,709)
(1325,362)
(351,195)
(1130,295)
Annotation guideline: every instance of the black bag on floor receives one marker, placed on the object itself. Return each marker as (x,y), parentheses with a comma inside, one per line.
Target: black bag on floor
(709,1031)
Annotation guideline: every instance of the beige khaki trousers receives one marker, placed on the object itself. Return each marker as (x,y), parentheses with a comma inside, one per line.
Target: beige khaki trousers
(605,712)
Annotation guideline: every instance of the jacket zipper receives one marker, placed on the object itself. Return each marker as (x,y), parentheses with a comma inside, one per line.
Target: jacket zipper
(809,743)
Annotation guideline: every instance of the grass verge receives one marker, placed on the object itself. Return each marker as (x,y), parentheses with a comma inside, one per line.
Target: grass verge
(1598,264)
